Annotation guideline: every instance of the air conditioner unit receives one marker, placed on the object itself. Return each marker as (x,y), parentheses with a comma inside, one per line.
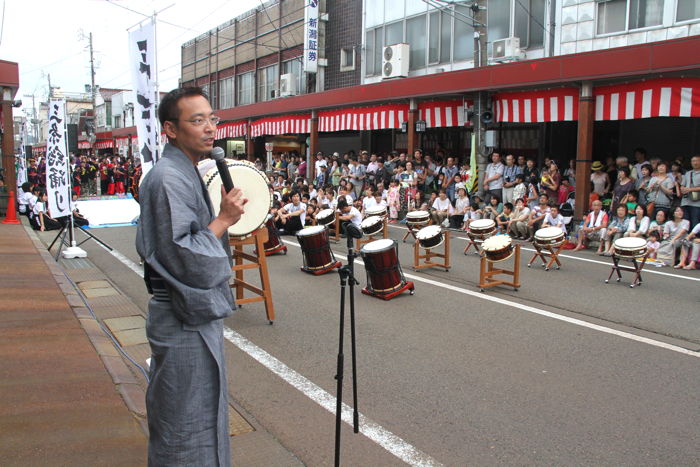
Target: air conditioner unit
(395,61)
(507,49)
(288,85)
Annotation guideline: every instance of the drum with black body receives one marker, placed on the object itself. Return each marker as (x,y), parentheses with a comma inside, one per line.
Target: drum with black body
(274,242)
(498,248)
(630,247)
(481,229)
(416,219)
(430,236)
(549,237)
(376,211)
(325,217)
(384,274)
(372,225)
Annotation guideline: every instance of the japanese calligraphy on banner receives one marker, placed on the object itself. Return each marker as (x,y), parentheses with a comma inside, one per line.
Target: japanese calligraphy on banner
(311,36)
(57,163)
(22,157)
(142,53)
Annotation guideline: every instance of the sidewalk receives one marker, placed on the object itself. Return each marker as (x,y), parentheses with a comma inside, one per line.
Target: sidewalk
(60,406)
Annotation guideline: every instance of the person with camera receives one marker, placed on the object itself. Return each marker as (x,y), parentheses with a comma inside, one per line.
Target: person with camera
(509,173)
(689,192)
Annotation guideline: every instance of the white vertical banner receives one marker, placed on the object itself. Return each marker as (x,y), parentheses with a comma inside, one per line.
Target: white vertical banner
(311,36)
(57,162)
(22,156)
(142,54)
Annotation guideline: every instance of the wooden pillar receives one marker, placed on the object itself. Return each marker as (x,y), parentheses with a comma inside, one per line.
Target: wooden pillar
(249,144)
(584,151)
(412,137)
(313,147)
(8,141)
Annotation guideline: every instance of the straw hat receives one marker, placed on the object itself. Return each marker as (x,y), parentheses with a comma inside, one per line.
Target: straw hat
(597,165)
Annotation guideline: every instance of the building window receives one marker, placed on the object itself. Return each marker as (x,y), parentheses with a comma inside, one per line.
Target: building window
(293,66)
(645,13)
(226,93)
(464,34)
(117,121)
(369,52)
(347,59)
(611,16)
(213,88)
(246,88)
(529,22)
(687,10)
(205,88)
(267,83)
(417,40)
(445,37)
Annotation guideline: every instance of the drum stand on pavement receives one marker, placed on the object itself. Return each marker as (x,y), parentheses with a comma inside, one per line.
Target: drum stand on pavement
(258,261)
(477,245)
(347,277)
(429,255)
(487,272)
(547,251)
(636,268)
(335,230)
(413,229)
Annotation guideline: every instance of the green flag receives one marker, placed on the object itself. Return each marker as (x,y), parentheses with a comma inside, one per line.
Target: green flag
(472,176)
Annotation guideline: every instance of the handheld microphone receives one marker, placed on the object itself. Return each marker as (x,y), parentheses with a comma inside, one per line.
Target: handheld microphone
(219,156)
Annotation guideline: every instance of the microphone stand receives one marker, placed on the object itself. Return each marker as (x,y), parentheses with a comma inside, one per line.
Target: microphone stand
(346,277)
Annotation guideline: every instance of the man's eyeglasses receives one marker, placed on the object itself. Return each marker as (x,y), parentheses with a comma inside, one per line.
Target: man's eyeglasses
(201,121)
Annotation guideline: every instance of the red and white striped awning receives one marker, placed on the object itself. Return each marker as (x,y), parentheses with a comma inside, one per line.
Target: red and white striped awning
(122,141)
(104,144)
(668,97)
(38,149)
(230,130)
(380,117)
(554,105)
(439,114)
(287,124)
(83,145)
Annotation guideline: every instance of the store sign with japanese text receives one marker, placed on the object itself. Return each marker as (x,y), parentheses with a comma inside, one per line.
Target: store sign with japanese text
(311,36)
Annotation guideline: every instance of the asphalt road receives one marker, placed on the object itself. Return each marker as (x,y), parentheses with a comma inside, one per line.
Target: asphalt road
(553,374)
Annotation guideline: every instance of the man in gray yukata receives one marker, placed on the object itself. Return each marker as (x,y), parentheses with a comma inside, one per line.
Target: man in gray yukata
(187,265)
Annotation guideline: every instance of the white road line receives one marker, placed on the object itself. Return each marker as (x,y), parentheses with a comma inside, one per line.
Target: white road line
(646,270)
(375,432)
(389,441)
(539,311)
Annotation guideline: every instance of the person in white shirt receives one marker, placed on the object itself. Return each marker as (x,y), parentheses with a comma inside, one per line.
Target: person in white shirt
(493,181)
(441,208)
(320,162)
(537,215)
(342,194)
(293,215)
(375,202)
(460,210)
(520,188)
(368,200)
(554,219)
(24,197)
(42,217)
(518,220)
(348,214)
(639,224)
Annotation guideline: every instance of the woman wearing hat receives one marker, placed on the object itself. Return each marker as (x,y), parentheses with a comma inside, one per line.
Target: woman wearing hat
(599,179)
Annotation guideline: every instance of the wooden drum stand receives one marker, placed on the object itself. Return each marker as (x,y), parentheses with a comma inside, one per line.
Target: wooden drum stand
(487,272)
(412,229)
(257,260)
(547,251)
(429,255)
(636,268)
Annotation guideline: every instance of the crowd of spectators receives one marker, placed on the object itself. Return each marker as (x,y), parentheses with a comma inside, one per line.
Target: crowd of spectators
(649,198)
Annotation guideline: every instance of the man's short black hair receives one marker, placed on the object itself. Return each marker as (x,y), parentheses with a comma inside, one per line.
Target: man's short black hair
(168,110)
(342,203)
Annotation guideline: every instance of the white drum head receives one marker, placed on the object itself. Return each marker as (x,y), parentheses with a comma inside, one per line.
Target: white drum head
(253,183)
(496,243)
(548,232)
(428,232)
(370,221)
(378,245)
(417,214)
(313,230)
(481,224)
(630,243)
(322,214)
(373,211)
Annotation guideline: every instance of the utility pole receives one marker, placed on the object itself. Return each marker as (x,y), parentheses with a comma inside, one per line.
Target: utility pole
(92,83)
(480,60)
